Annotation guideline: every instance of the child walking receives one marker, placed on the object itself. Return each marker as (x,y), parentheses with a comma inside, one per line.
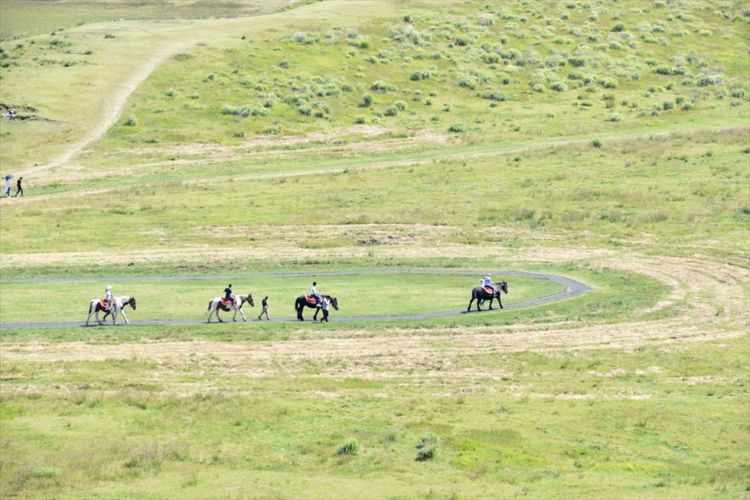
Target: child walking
(265,309)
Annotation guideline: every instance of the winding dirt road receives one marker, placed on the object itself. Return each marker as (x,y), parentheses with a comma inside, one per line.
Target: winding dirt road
(573,288)
(707,301)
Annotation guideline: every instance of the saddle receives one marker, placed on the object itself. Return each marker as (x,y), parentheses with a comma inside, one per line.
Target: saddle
(227,302)
(490,290)
(311,300)
(105,303)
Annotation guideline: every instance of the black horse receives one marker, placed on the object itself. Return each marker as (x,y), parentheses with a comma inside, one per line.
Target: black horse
(480,295)
(301,303)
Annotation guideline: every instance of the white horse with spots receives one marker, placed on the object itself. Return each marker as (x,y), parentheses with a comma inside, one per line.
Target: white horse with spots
(236,304)
(115,309)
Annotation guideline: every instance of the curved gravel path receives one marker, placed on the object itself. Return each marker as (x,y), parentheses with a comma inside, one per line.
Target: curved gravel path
(573,288)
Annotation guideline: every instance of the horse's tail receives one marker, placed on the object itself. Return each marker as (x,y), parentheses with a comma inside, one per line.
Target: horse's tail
(296,304)
(209,305)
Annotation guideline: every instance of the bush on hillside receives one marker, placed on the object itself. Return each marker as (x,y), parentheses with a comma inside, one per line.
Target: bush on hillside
(427,448)
(457,128)
(381,86)
(349,448)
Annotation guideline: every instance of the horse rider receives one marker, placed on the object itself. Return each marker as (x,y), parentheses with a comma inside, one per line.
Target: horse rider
(109,297)
(488,282)
(314,292)
(228,295)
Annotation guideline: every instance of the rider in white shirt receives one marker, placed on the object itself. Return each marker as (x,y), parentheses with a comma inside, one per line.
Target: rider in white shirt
(108,295)
(314,292)
(488,281)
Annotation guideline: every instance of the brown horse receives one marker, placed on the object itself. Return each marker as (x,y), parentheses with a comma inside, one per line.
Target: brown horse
(480,295)
(214,305)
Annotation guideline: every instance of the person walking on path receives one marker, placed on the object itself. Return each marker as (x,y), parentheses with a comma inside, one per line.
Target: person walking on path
(19,188)
(6,189)
(264,304)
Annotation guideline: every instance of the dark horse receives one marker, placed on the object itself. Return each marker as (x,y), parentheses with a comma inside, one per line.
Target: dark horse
(301,303)
(480,295)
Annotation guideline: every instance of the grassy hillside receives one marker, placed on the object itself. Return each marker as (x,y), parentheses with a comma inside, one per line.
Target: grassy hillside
(20,18)
(507,72)
(172,152)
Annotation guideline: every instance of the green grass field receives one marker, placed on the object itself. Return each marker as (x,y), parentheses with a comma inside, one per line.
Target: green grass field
(388,295)
(174,147)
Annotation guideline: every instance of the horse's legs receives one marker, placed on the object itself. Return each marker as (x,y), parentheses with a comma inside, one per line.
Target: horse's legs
(242,313)
(491,299)
(315,316)
(122,311)
(89,316)
(499,300)
(299,308)
(470,302)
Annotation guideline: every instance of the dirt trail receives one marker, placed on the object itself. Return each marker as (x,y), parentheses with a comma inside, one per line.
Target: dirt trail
(415,160)
(573,288)
(709,298)
(114,106)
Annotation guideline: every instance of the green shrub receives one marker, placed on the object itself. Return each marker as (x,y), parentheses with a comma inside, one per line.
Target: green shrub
(170,93)
(558,86)
(614,117)
(493,96)
(391,111)
(304,38)
(419,75)
(381,86)
(457,128)
(349,448)
(272,130)
(366,101)
(427,448)
(401,105)
(597,143)
(131,121)
(618,28)
(708,80)
(237,111)
(577,61)
(360,119)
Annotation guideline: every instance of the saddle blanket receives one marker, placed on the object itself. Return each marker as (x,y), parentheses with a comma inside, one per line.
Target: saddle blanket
(490,290)
(311,300)
(227,302)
